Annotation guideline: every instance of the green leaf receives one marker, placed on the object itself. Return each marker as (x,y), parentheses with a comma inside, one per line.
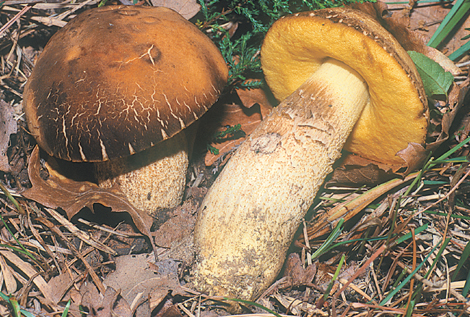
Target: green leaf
(436,80)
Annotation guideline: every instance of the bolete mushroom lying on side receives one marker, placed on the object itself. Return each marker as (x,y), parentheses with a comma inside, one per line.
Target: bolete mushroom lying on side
(113,83)
(339,71)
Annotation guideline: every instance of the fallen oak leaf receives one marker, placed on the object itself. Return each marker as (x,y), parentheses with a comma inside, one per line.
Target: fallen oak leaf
(251,97)
(414,155)
(138,275)
(354,170)
(100,305)
(255,106)
(456,101)
(233,114)
(72,196)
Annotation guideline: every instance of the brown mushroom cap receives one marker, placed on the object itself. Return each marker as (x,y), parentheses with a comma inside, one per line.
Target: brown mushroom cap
(397,114)
(118,79)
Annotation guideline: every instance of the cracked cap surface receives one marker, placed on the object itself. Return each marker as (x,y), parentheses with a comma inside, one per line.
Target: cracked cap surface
(397,113)
(118,79)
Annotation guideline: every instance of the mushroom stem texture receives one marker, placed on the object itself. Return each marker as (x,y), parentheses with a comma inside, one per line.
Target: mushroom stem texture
(248,218)
(151,179)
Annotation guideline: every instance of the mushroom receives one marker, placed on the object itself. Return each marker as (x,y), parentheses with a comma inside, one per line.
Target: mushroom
(113,84)
(341,75)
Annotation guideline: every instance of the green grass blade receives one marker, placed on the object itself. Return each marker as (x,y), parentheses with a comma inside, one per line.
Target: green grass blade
(4,297)
(12,199)
(465,256)
(409,235)
(438,256)
(466,286)
(331,238)
(17,241)
(445,215)
(452,150)
(15,306)
(332,282)
(400,240)
(254,304)
(460,52)
(459,9)
(66,310)
(409,311)
(408,278)
(26,313)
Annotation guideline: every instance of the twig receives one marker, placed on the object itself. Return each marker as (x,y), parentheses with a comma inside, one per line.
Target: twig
(77,253)
(80,234)
(14,19)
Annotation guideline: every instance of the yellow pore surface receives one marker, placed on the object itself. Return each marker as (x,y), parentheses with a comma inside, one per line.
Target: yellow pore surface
(396,115)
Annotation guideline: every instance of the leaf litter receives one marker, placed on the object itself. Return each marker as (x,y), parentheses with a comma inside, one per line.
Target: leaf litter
(72,261)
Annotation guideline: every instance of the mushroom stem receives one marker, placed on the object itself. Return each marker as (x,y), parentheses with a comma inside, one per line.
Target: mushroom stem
(139,176)
(248,218)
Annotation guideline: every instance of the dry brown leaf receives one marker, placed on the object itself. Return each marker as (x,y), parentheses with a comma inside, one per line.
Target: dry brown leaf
(426,18)
(72,196)
(456,102)
(255,107)
(414,155)
(60,284)
(325,271)
(187,8)
(170,311)
(251,97)
(8,126)
(296,273)
(8,278)
(396,23)
(138,275)
(354,170)
(107,305)
(177,224)
(28,270)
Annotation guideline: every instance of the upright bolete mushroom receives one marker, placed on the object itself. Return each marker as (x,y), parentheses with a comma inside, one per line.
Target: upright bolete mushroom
(117,80)
(339,71)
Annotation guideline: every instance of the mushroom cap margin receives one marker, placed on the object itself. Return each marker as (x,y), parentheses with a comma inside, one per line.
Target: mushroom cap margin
(118,79)
(397,114)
